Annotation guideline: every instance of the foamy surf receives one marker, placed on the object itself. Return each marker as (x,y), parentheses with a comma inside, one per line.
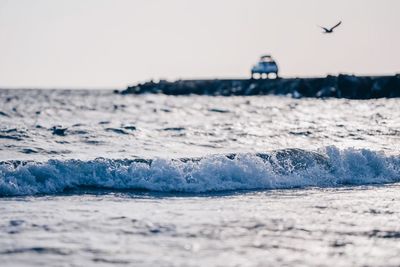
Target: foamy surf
(283,169)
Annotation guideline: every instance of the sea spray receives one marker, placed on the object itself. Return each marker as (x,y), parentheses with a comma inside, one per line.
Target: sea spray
(288,168)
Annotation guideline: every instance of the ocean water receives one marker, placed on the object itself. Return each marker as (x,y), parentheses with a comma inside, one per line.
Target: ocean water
(97,178)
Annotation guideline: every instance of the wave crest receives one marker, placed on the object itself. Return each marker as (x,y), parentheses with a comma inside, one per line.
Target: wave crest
(288,168)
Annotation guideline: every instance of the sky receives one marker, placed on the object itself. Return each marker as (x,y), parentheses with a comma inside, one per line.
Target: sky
(115,43)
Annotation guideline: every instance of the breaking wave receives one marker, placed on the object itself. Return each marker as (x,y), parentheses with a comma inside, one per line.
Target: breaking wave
(288,168)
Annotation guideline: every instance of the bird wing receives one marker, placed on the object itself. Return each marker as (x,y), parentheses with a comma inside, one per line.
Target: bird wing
(324,28)
(337,25)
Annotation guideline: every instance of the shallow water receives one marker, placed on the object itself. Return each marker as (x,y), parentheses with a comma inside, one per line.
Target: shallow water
(355,226)
(92,177)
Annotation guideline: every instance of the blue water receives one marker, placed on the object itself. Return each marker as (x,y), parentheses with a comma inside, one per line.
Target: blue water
(92,177)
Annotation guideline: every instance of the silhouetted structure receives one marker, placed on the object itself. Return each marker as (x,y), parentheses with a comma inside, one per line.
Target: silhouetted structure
(265,66)
(342,86)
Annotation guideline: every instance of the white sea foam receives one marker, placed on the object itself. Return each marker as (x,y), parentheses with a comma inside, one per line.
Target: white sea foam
(277,170)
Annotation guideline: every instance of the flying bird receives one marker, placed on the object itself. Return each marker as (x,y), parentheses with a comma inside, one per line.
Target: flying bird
(326,30)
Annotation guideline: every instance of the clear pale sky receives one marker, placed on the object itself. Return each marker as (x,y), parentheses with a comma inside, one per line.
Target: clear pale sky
(113,43)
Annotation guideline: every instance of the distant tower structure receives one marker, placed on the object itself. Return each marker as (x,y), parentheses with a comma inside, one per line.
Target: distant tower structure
(265,67)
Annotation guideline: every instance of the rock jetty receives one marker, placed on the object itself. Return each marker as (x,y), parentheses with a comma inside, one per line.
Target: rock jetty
(342,86)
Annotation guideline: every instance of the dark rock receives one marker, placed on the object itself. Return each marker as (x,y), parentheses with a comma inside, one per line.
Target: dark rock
(342,86)
(386,87)
(326,92)
(354,87)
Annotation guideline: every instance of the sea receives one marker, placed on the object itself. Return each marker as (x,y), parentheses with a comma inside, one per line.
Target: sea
(96,178)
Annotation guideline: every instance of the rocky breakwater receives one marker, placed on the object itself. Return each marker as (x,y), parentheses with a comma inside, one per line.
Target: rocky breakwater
(342,86)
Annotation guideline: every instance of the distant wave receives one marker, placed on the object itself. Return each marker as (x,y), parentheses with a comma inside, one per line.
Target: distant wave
(288,168)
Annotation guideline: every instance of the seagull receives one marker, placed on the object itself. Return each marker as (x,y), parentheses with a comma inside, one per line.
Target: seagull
(326,30)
